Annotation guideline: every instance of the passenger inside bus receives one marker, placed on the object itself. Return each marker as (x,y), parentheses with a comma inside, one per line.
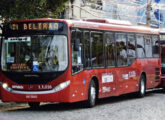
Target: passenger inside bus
(52,62)
(42,58)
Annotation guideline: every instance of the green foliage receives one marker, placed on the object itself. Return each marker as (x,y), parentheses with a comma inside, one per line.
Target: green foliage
(27,9)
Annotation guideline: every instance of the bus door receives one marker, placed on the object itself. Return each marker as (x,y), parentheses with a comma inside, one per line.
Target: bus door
(80,43)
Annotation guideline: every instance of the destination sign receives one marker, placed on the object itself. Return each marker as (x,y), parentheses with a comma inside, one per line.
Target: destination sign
(35,26)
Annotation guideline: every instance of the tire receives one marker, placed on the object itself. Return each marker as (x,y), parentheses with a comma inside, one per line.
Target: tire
(163,89)
(34,105)
(142,87)
(92,95)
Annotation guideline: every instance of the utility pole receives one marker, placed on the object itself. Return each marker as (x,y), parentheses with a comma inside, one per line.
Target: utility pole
(148,9)
(72,1)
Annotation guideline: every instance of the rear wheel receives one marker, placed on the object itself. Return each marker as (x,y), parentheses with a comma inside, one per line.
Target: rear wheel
(163,88)
(142,87)
(34,105)
(92,94)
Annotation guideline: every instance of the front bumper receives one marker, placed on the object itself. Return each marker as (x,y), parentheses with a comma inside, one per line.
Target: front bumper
(60,93)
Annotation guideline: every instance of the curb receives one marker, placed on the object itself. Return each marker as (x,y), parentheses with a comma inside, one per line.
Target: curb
(2,104)
(9,104)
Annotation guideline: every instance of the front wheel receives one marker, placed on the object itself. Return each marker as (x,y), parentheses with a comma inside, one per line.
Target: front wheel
(142,87)
(92,94)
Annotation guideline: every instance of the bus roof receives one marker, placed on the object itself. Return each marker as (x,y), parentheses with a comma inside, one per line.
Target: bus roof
(101,24)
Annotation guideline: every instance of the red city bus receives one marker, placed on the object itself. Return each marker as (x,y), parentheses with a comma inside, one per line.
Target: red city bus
(162,44)
(52,60)
(0,79)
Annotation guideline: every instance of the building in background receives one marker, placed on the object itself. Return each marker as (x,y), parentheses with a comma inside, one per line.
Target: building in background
(134,11)
(111,9)
(84,9)
(156,11)
(121,10)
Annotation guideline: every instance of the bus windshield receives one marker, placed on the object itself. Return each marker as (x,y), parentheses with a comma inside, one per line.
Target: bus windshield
(36,53)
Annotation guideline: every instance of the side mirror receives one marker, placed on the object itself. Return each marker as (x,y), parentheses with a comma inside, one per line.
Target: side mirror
(76,44)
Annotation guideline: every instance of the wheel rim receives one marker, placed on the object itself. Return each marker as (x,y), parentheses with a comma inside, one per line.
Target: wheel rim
(93,94)
(142,87)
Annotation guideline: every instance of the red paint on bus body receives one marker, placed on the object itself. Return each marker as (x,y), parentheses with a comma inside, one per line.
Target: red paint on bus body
(123,79)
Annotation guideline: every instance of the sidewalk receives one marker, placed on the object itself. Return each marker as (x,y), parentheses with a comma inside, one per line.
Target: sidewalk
(9,104)
(2,104)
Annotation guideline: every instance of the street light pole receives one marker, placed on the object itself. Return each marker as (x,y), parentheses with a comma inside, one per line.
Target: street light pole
(148,9)
(72,1)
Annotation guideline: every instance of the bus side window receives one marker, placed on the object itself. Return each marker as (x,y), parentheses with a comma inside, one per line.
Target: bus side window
(148,46)
(121,49)
(140,46)
(110,49)
(77,63)
(155,46)
(87,59)
(97,49)
(131,48)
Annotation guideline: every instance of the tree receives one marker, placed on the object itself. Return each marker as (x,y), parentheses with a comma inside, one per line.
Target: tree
(26,9)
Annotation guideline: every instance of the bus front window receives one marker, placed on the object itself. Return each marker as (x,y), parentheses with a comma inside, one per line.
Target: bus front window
(38,53)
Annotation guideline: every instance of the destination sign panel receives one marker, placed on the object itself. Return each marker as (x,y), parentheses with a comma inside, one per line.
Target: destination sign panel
(36,26)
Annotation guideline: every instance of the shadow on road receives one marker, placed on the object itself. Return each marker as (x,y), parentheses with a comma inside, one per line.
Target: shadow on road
(80,105)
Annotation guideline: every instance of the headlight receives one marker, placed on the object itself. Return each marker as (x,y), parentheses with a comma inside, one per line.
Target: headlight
(5,85)
(61,86)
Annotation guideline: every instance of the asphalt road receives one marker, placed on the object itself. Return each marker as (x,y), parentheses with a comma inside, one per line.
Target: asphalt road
(125,107)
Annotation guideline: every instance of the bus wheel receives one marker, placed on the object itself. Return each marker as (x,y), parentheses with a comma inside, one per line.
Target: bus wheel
(142,87)
(34,105)
(91,95)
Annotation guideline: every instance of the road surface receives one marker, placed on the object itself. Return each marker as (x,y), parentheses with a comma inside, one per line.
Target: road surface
(125,107)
